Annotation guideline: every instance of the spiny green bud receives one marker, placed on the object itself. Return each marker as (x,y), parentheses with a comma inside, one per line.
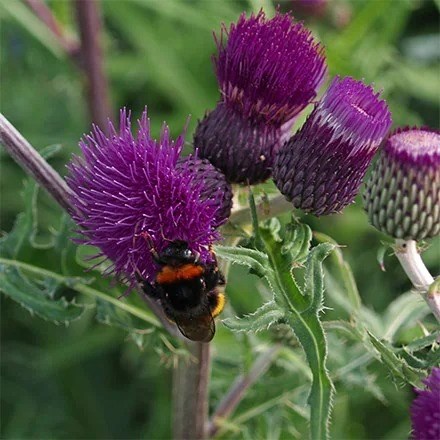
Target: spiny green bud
(402,195)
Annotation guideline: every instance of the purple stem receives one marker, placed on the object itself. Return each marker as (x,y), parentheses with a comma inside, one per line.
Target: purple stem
(90,25)
(190,394)
(238,389)
(43,12)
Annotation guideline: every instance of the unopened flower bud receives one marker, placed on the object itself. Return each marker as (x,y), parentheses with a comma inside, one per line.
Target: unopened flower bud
(322,166)
(402,195)
(214,187)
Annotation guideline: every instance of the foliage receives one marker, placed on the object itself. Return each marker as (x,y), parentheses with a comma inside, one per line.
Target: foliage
(366,338)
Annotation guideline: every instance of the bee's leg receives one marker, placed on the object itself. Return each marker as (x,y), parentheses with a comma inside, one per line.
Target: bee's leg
(147,237)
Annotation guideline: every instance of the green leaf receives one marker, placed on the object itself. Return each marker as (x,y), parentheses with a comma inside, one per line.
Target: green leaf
(397,366)
(422,343)
(407,308)
(310,333)
(34,26)
(282,264)
(344,273)
(296,241)
(251,258)
(267,315)
(314,276)
(108,313)
(38,296)
(12,243)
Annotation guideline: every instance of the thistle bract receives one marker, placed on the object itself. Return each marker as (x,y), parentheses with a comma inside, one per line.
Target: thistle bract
(322,166)
(214,187)
(268,70)
(402,195)
(425,410)
(125,186)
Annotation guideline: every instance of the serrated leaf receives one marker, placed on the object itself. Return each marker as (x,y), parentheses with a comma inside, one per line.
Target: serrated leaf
(251,258)
(108,314)
(314,275)
(282,264)
(12,243)
(309,331)
(396,365)
(38,296)
(422,343)
(345,274)
(267,315)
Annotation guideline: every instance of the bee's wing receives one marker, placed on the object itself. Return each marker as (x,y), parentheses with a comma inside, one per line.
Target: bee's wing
(199,328)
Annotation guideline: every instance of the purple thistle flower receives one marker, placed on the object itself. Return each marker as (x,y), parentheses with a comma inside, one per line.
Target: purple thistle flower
(322,166)
(425,410)
(215,189)
(268,71)
(402,195)
(124,186)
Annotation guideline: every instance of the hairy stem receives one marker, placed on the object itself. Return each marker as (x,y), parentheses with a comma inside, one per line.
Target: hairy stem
(412,263)
(90,25)
(238,389)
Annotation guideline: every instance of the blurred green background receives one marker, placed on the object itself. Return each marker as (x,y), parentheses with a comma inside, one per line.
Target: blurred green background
(89,380)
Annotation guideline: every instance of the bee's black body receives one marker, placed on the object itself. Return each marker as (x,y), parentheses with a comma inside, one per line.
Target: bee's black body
(187,291)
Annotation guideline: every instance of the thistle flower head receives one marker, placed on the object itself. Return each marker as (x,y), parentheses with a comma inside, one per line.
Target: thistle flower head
(402,195)
(124,186)
(268,69)
(425,410)
(322,166)
(214,187)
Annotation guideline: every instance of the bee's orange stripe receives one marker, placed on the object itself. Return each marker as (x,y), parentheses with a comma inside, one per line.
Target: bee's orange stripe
(170,274)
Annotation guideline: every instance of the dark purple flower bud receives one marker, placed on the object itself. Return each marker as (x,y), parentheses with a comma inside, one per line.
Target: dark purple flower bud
(425,410)
(322,166)
(126,187)
(215,189)
(268,70)
(402,195)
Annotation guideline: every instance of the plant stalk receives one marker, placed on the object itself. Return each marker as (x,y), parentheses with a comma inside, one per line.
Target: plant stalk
(31,161)
(90,24)
(412,263)
(238,389)
(43,12)
(190,394)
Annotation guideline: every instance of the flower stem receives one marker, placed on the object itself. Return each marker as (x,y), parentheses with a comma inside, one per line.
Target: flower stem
(238,389)
(190,394)
(275,206)
(412,263)
(43,12)
(31,161)
(90,25)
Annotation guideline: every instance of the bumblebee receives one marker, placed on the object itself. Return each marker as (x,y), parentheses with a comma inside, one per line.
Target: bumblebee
(187,290)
